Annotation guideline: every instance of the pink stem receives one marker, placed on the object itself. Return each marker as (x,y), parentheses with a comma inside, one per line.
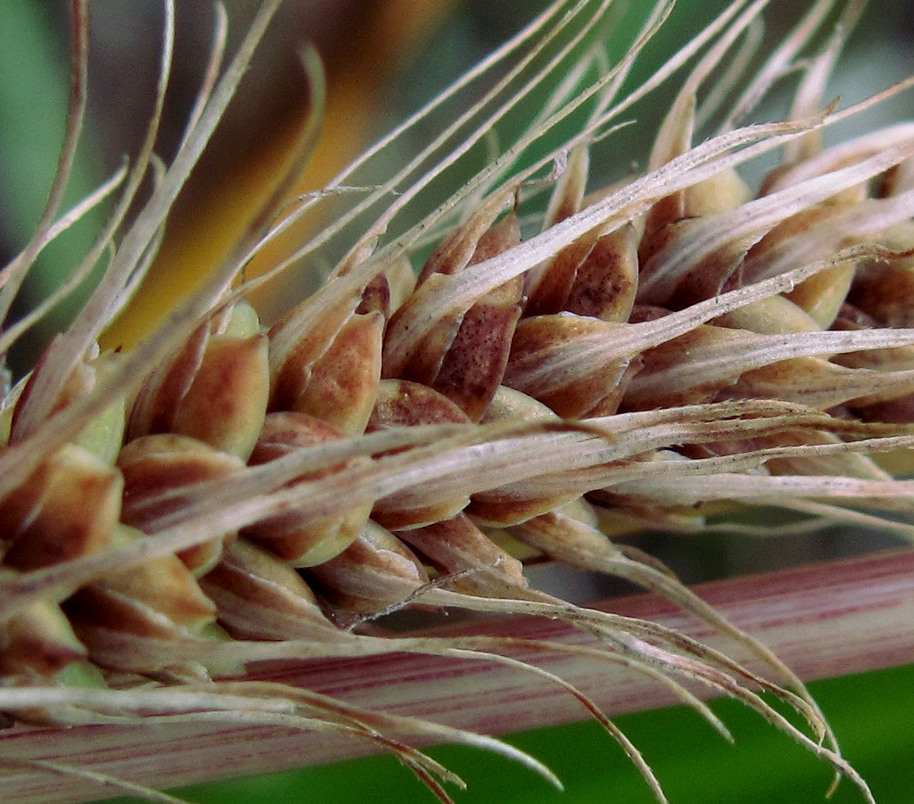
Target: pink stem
(823,620)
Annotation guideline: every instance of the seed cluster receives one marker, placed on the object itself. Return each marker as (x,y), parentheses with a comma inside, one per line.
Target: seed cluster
(411,439)
(604,332)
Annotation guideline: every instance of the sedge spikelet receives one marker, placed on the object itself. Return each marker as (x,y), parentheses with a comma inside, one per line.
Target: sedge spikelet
(488,386)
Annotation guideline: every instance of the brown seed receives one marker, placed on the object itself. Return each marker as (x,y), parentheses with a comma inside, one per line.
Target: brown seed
(474,365)
(464,357)
(297,537)
(159,474)
(607,280)
(402,403)
(164,584)
(215,390)
(573,390)
(552,288)
(127,634)
(375,572)
(225,405)
(66,509)
(341,385)
(260,597)
(298,340)
(38,641)
(500,507)
(457,546)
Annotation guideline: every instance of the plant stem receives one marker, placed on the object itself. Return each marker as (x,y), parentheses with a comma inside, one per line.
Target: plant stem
(824,620)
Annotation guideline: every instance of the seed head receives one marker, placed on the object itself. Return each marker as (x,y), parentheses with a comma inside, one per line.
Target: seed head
(421,428)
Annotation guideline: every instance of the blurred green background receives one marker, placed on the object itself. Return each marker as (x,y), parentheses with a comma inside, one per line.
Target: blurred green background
(872,714)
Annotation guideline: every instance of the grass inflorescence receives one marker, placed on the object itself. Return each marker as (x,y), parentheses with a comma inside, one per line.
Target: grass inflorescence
(480,383)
